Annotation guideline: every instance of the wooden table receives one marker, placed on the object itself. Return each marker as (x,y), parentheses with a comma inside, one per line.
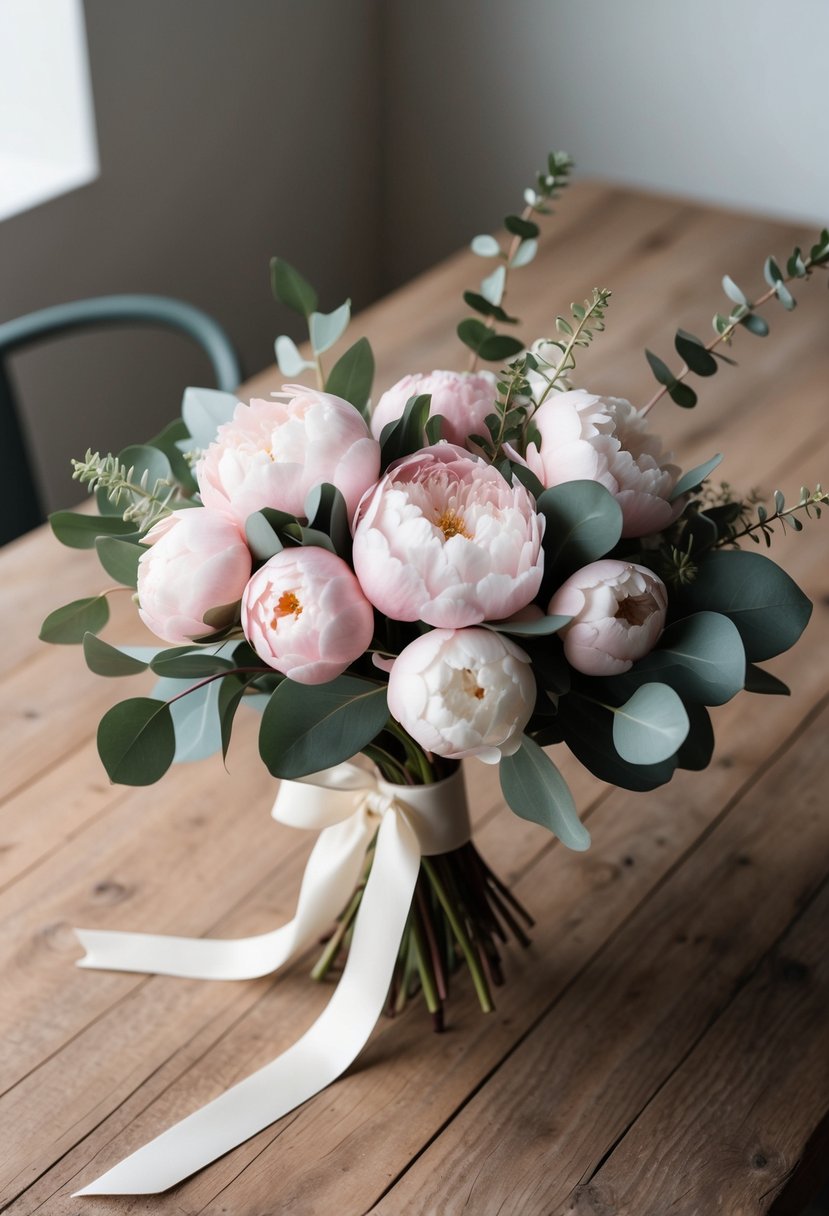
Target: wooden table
(662,1047)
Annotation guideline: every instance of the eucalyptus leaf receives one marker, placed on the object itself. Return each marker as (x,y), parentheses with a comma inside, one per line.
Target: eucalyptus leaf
(701,657)
(326,512)
(203,411)
(352,375)
(306,725)
(535,789)
(291,289)
(692,350)
(767,606)
(120,559)
(183,663)
(195,717)
(106,660)
(588,732)
(327,328)
(733,291)
(262,530)
(405,435)
(518,226)
(67,626)
(696,752)
(473,333)
(682,394)
(695,477)
(660,369)
(584,522)
(78,531)
(485,246)
(174,440)
(761,681)
(492,287)
(291,362)
(540,627)
(498,347)
(143,459)
(524,254)
(651,726)
(231,691)
(136,741)
(755,324)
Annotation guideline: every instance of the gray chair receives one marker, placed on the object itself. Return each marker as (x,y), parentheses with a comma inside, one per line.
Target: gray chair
(20,508)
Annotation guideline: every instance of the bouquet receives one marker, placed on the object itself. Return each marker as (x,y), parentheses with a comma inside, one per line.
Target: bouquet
(483,564)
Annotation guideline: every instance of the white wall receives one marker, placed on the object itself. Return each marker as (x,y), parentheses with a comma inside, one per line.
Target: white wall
(720,100)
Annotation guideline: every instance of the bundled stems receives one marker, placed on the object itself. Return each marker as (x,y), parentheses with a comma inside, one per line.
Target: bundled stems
(461,915)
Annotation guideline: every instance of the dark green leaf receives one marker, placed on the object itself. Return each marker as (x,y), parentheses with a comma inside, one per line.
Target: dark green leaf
(761,681)
(405,436)
(308,726)
(692,350)
(697,750)
(767,606)
(695,477)
(473,333)
(167,442)
(291,289)
(755,324)
(772,272)
(230,698)
(136,741)
(182,663)
(528,479)
(701,657)
(326,512)
(526,229)
(487,308)
(120,559)
(588,732)
(81,531)
(536,790)
(142,458)
(434,428)
(660,369)
(584,522)
(500,346)
(651,726)
(262,530)
(352,375)
(682,394)
(106,660)
(66,626)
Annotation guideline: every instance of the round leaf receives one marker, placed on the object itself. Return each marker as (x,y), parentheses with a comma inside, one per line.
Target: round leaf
(136,741)
(536,790)
(306,727)
(584,522)
(651,726)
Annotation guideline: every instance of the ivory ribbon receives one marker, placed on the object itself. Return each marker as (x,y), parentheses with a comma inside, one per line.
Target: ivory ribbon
(347,803)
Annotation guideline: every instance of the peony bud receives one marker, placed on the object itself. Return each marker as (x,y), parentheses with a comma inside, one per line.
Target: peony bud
(618,612)
(197,561)
(463,692)
(304,614)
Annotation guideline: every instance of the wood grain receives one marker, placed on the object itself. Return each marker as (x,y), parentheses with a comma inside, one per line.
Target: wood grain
(593,1081)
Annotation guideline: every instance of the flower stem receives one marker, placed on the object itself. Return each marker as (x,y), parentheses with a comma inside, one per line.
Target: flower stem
(458,928)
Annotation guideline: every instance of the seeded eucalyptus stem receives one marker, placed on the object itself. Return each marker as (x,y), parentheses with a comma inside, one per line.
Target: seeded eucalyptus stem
(511,252)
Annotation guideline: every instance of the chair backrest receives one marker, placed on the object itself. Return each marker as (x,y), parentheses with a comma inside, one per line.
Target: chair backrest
(20,508)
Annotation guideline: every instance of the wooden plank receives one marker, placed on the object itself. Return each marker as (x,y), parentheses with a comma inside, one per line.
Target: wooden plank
(545,1121)
(713,1139)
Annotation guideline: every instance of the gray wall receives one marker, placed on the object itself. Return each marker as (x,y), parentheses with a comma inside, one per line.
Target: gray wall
(364,140)
(229,130)
(724,102)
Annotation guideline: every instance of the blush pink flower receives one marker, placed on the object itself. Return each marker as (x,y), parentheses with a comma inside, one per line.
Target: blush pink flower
(604,439)
(444,539)
(273,452)
(463,399)
(304,614)
(618,612)
(197,561)
(463,692)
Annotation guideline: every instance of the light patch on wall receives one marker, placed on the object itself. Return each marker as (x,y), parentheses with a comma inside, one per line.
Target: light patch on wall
(48,144)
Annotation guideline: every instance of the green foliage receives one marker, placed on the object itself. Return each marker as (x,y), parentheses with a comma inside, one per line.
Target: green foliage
(352,375)
(405,435)
(306,725)
(761,681)
(482,339)
(195,716)
(536,790)
(291,289)
(767,606)
(695,477)
(327,328)
(106,660)
(584,522)
(651,726)
(587,729)
(67,626)
(539,627)
(327,513)
(586,320)
(203,411)
(78,531)
(701,657)
(183,663)
(120,559)
(696,752)
(265,532)
(140,477)
(810,504)
(136,741)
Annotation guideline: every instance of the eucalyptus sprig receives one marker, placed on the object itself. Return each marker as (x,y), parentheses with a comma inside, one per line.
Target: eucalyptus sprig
(810,504)
(699,357)
(149,497)
(586,321)
(480,336)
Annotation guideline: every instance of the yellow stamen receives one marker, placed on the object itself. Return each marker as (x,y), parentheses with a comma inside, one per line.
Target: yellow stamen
(452,524)
(471,686)
(287,605)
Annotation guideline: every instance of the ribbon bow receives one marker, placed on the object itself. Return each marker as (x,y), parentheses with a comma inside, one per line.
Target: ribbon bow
(349,804)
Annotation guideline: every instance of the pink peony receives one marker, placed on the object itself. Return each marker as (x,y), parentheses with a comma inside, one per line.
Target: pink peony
(444,539)
(463,399)
(273,452)
(463,692)
(303,612)
(604,439)
(197,560)
(618,612)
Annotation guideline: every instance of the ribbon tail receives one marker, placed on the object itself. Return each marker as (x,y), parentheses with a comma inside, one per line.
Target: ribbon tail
(323,1053)
(332,873)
